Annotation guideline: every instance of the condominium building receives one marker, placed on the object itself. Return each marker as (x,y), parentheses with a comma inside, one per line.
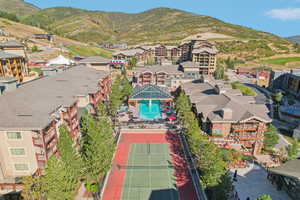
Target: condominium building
(13,60)
(12,65)
(32,114)
(230,119)
(169,76)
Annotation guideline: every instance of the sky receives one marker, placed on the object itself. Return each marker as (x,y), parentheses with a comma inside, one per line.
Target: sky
(281,17)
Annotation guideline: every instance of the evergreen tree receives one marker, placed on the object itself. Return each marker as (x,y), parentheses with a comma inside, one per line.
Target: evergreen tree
(126,87)
(68,154)
(33,188)
(219,73)
(59,185)
(271,138)
(100,147)
(207,155)
(116,97)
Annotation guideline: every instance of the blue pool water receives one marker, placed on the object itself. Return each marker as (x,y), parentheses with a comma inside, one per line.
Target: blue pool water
(150,110)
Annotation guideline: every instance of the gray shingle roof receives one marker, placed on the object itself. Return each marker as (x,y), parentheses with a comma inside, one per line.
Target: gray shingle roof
(209,103)
(170,69)
(290,168)
(11,43)
(30,106)
(94,59)
(129,52)
(150,92)
(5,55)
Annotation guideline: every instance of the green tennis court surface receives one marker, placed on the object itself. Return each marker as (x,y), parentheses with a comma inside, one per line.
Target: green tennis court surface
(150,173)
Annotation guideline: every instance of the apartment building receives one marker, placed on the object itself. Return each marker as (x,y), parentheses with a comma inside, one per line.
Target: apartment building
(204,57)
(12,65)
(140,54)
(169,76)
(230,119)
(32,114)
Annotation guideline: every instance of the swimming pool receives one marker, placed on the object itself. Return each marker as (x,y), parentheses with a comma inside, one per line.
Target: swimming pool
(150,110)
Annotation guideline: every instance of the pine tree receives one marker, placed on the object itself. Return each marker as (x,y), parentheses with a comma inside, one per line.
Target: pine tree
(207,155)
(101,146)
(271,138)
(116,97)
(59,185)
(33,188)
(126,88)
(68,154)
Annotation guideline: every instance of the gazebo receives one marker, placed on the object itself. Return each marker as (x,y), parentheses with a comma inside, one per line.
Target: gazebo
(149,100)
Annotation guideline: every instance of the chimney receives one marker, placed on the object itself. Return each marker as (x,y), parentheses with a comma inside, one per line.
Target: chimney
(8,84)
(226,113)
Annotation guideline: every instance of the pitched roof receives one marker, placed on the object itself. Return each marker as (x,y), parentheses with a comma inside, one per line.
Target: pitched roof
(209,103)
(290,168)
(5,55)
(30,106)
(95,59)
(129,52)
(150,92)
(11,43)
(205,49)
(170,69)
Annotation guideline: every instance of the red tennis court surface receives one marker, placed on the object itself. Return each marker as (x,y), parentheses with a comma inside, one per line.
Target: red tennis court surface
(114,187)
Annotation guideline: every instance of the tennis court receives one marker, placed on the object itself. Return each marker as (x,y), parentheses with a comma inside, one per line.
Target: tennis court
(149,173)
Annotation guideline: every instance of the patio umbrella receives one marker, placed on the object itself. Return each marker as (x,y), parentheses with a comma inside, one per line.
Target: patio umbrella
(172,117)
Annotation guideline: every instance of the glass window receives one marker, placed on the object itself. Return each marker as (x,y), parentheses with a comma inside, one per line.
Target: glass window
(21,167)
(17,151)
(14,135)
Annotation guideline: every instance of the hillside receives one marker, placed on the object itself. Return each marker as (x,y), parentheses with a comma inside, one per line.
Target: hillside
(160,25)
(11,30)
(19,7)
(295,39)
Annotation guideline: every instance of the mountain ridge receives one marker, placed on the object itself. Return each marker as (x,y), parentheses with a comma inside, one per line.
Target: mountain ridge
(295,39)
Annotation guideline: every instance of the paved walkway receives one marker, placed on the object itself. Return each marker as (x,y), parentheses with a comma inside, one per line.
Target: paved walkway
(252,182)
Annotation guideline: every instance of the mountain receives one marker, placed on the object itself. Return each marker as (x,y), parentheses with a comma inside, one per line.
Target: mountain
(295,39)
(18,7)
(155,25)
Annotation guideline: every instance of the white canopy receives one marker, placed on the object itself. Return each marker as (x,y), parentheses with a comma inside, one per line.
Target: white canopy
(60,60)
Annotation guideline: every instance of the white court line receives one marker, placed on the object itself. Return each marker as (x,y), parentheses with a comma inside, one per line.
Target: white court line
(129,182)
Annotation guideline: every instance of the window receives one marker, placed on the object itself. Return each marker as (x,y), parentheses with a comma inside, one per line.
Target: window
(21,167)
(14,135)
(17,151)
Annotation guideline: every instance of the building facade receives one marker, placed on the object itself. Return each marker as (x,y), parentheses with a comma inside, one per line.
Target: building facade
(12,65)
(169,76)
(230,119)
(29,126)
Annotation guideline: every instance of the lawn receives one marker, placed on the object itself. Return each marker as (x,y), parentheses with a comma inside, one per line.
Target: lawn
(77,50)
(36,69)
(246,91)
(281,61)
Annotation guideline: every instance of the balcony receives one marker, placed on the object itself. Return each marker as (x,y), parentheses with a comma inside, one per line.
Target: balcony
(241,128)
(37,142)
(40,157)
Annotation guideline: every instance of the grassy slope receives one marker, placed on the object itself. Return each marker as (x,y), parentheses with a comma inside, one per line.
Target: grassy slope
(281,61)
(18,7)
(89,51)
